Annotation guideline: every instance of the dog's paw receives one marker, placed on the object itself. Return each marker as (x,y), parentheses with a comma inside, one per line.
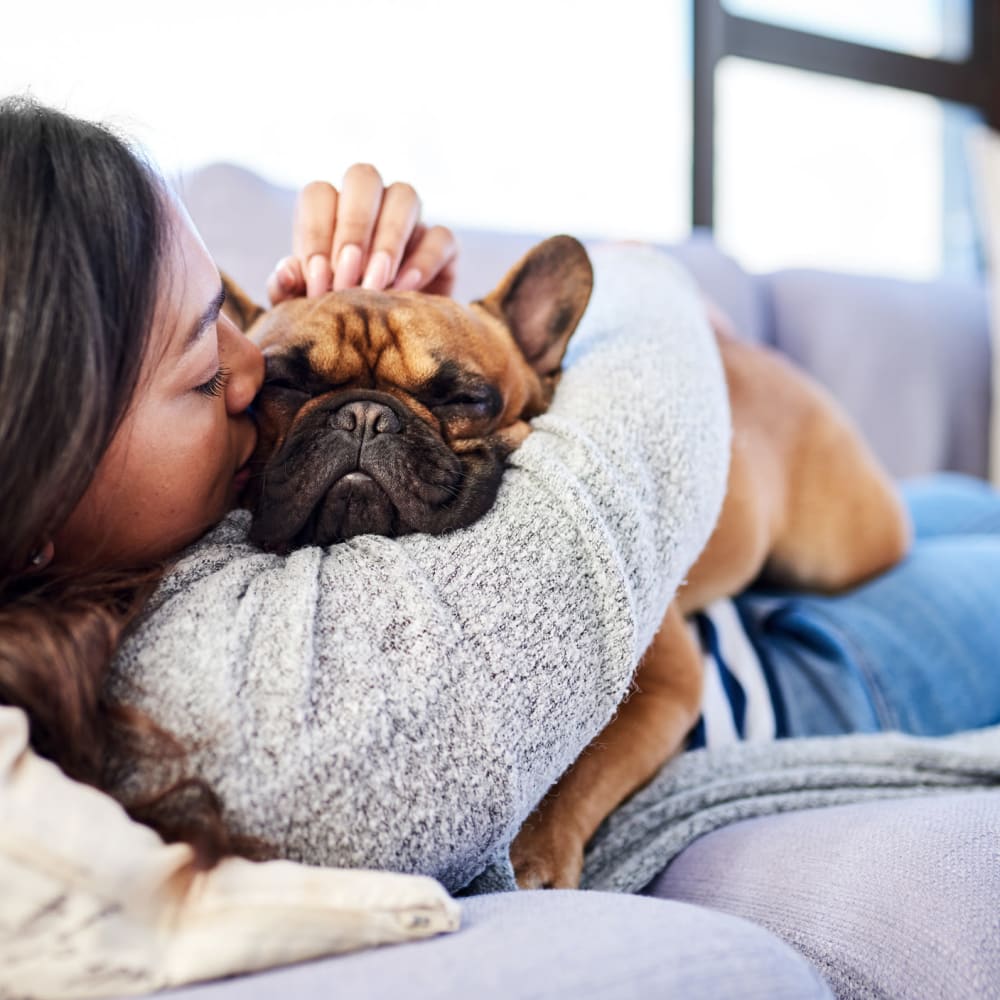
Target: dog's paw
(545,858)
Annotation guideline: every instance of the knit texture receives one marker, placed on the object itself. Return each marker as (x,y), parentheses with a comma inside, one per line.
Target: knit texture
(404,704)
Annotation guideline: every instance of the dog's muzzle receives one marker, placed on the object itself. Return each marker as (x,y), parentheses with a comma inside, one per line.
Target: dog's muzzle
(363,463)
(366,418)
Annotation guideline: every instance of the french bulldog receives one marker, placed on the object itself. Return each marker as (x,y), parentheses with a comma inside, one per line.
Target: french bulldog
(395,412)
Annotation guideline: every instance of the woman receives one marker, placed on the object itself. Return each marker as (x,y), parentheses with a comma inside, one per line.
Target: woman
(141,454)
(397,704)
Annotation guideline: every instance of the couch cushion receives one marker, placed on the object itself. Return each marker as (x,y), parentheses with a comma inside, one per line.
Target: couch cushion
(557,945)
(741,295)
(910,361)
(887,899)
(246,223)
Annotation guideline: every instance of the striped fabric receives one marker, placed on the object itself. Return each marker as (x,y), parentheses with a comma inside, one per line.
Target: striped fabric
(737,704)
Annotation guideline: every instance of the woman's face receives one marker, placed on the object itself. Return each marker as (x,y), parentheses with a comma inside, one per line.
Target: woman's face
(177,463)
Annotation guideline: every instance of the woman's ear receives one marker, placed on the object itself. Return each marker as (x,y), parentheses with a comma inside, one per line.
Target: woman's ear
(239,307)
(542,299)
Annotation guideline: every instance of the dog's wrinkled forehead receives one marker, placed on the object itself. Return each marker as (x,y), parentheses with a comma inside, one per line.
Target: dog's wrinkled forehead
(403,340)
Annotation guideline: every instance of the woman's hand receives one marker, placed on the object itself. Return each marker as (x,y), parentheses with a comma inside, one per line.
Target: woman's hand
(365,234)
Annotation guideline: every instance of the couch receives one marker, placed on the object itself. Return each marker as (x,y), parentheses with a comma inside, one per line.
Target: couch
(888,899)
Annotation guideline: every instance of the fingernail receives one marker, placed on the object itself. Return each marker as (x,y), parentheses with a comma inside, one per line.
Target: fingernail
(377,275)
(317,275)
(409,281)
(287,277)
(348,270)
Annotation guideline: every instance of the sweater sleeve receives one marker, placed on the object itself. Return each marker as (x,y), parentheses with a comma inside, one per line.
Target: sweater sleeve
(404,703)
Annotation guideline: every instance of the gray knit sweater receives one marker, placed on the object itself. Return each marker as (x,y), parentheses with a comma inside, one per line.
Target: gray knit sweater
(404,704)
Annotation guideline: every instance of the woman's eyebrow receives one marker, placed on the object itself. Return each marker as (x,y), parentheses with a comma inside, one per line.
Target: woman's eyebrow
(204,321)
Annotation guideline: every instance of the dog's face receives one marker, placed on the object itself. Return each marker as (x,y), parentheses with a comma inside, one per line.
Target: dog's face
(394,412)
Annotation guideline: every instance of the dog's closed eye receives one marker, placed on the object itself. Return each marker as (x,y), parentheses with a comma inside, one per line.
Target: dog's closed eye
(470,406)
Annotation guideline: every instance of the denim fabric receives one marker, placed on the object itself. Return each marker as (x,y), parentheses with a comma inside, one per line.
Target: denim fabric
(917,649)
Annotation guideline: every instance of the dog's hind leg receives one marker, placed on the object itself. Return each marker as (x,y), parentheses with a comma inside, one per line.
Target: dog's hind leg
(810,500)
(844,520)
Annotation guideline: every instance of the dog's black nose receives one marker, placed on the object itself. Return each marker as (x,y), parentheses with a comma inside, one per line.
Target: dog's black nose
(365,417)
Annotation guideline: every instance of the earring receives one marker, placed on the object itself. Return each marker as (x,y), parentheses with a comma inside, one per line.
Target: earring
(40,557)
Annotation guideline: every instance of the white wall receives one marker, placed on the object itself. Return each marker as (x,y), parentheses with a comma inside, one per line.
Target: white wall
(539,115)
(525,114)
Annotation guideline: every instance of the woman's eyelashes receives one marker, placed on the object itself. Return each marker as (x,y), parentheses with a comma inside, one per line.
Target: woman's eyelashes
(216,385)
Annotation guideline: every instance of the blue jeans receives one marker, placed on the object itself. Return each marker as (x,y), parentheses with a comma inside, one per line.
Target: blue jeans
(916,649)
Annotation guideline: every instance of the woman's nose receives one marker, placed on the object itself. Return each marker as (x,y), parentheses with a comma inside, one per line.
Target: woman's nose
(246,367)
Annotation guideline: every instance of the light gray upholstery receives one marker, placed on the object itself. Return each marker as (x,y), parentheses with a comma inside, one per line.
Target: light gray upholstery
(889,899)
(909,361)
(555,946)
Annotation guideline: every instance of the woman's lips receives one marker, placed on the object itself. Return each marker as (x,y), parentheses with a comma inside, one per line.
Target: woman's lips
(242,477)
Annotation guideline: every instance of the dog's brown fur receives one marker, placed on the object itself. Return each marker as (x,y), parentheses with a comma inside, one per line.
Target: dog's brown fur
(807,503)
(422,360)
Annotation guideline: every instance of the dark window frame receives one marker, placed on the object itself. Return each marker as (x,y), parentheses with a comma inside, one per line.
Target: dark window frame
(974,81)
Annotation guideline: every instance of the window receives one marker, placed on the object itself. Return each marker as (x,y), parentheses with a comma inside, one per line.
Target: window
(813,150)
(839,174)
(937,28)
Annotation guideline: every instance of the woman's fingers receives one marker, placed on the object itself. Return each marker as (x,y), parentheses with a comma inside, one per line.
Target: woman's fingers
(312,234)
(397,221)
(365,234)
(429,263)
(360,200)
(287,280)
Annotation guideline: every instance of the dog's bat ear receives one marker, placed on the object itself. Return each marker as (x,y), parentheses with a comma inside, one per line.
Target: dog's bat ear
(239,307)
(542,299)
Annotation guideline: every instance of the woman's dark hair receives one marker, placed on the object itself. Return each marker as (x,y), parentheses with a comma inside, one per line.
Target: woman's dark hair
(83,238)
